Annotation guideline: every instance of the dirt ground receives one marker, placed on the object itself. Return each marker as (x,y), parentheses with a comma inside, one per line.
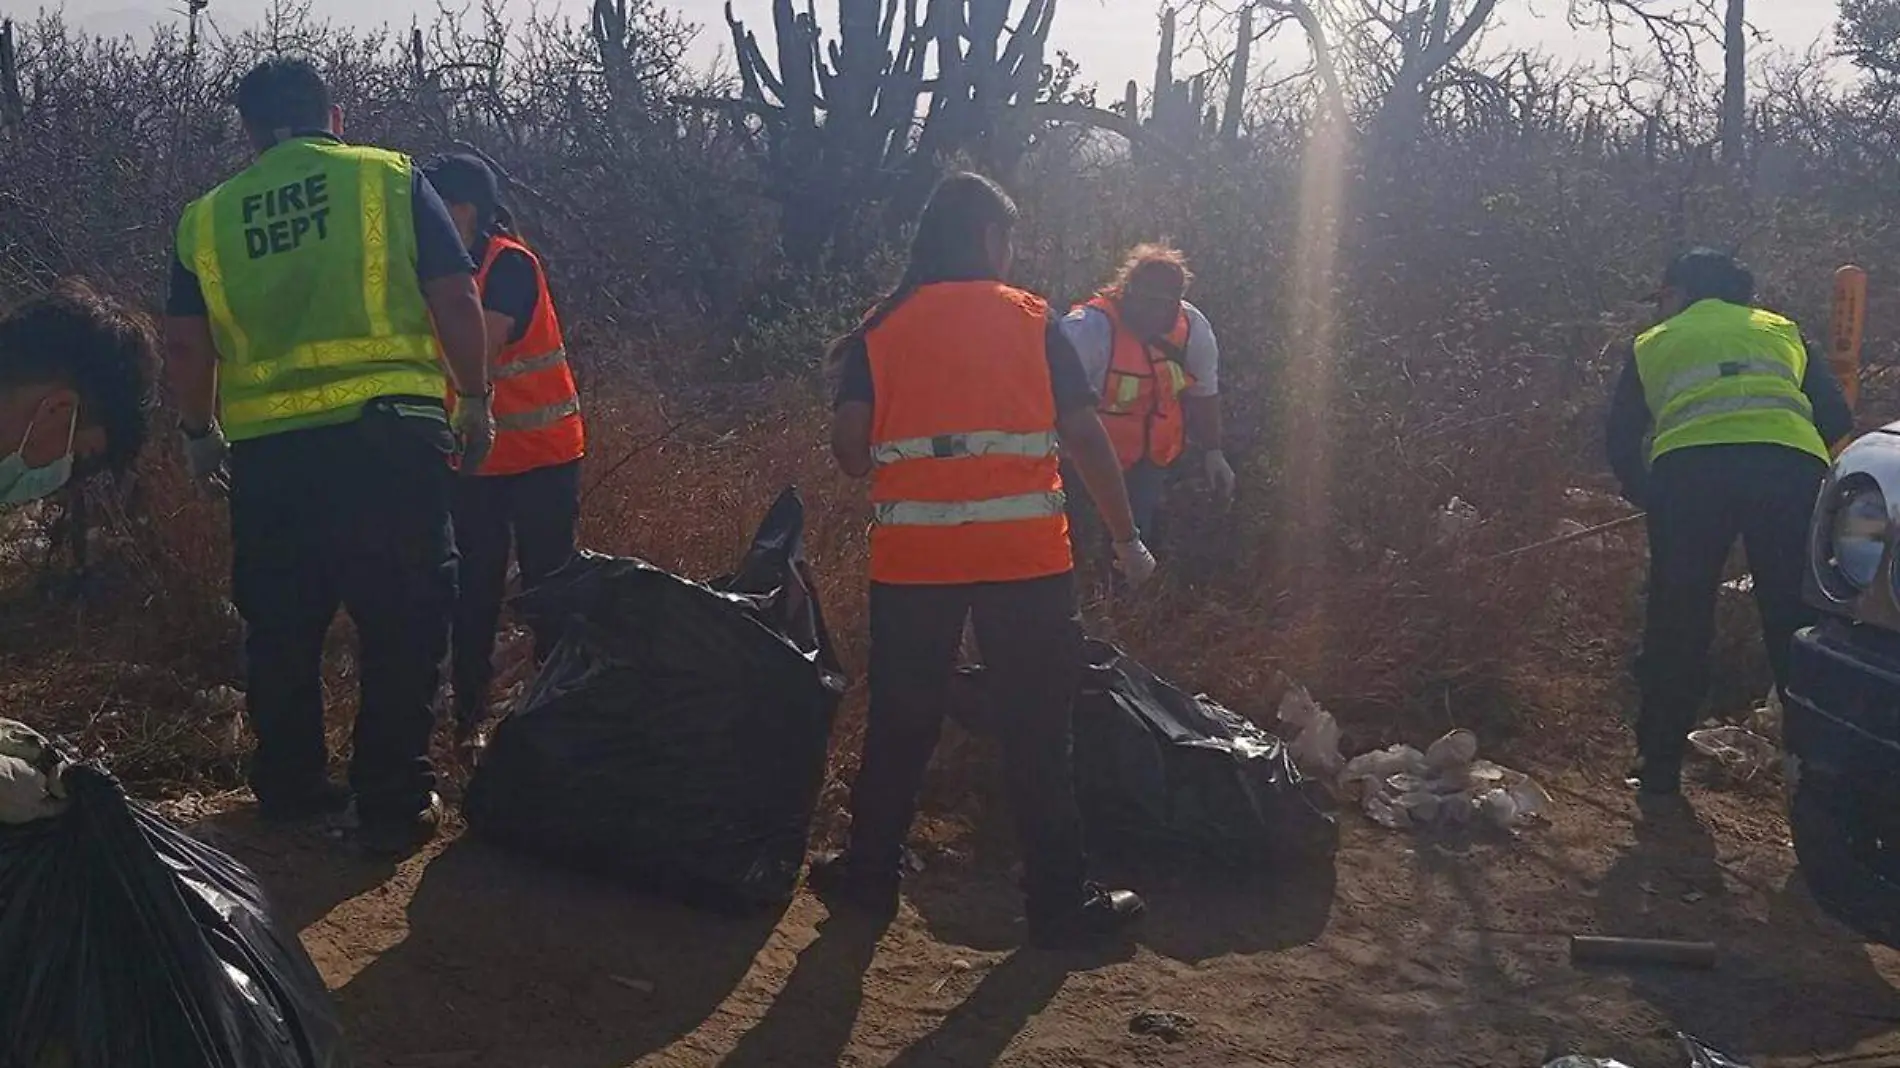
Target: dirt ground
(1405,952)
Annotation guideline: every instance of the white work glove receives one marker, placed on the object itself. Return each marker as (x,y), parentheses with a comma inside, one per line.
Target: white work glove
(1136,562)
(474,426)
(208,456)
(1220,475)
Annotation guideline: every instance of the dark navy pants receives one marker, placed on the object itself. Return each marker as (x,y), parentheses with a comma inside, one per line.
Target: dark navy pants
(354,517)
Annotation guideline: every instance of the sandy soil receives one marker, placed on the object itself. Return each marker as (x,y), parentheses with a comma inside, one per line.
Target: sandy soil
(1406,952)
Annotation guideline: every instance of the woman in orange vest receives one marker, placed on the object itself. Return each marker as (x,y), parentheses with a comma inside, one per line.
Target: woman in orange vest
(954,396)
(527,492)
(1154,358)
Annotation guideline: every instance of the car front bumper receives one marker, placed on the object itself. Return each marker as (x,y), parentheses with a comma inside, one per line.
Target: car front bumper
(1841,731)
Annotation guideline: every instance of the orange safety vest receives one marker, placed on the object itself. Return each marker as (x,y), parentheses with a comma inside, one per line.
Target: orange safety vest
(537,408)
(966,483)
(1141,397)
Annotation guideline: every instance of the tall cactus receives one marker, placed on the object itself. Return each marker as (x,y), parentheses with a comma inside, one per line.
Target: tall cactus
(12,103)
(1181,116)
(1237,79)
(859,120)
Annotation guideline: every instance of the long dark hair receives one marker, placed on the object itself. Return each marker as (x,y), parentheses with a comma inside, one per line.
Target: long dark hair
(950,242)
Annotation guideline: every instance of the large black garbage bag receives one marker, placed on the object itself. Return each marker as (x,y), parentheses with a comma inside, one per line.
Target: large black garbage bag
(677,737)
(126,944)
(1161,774)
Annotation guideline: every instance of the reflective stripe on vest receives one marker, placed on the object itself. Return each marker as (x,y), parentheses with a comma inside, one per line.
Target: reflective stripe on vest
(294,258)
(358,391)
(1702,376)
(1121,400)
(537,407)
(1680,414)
(966,485)
(962,513)
(975,443)
(1125,391)
(321,354)
(536,418)
(517,368)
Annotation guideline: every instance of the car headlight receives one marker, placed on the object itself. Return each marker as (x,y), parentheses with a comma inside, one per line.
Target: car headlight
(1859,536)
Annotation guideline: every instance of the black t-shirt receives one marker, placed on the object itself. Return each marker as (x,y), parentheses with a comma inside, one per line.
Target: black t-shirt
(439,252)
(512,288)
(1067,381)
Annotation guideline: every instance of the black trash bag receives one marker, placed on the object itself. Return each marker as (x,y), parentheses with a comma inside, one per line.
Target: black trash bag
(126,944)
(677,737)
(1163,775)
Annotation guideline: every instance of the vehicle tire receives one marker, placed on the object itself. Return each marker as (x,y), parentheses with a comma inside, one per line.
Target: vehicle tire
(1839,882)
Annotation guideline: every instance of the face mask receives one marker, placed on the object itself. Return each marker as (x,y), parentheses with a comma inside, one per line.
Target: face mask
(20,483)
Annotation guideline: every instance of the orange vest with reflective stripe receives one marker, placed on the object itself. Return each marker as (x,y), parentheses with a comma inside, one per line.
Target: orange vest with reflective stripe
(1141,398)
(537,409)
(966,485)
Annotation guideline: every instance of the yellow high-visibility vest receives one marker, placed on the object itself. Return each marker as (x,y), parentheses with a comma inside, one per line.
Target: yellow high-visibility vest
(307,262)
(1726,374)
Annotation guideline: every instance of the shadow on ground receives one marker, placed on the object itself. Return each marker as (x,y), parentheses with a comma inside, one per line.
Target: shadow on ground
(505,963)
(306,871)
(1807,982)
(521,965)
(1192,915)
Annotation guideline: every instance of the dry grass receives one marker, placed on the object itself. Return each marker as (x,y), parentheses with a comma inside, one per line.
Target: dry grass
(1528,651)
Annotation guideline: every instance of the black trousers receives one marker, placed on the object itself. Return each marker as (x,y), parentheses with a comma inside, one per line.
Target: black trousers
(1700,501)
(353,516)
(535,513)
(1032,649)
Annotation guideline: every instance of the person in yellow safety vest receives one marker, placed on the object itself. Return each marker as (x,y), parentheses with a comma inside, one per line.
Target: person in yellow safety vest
(1154,360)
(1720,427)
(321,306)
(74,371)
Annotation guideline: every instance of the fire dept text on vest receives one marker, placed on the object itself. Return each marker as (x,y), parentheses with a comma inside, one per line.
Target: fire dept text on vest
(292,211)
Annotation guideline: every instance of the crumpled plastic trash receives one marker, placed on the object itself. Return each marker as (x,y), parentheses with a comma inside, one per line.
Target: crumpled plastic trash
(1315,734)
(1765,718)
(30,785)
(1456,520)
(1446,785)
(1700,1056)
(1738,749)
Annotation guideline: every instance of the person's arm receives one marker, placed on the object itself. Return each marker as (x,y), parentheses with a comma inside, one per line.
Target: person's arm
(1832,417)
(447,276)
(851,413)
(1628,426)
(1084,440)
(459,326)
(191,356)
(1200,402)
(1092,338)
(510,292)
(1203,420)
